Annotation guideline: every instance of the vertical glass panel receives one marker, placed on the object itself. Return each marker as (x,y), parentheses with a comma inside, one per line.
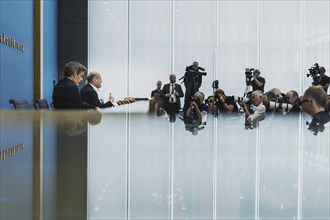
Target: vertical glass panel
(279,166)
(150,45)
(236,175)
(107,163)
(280,43)
(194,31)
(315,193)
(316,37)
(280,65)
(237,42)
(149,167)
(193,171)
(107,37)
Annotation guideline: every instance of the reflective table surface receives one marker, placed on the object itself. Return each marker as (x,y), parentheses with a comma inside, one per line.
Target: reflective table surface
(126,163)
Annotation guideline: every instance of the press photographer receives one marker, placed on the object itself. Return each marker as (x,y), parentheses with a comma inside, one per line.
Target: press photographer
(252,119)
(254,79)
(197,110)
(221,103)
(319,77)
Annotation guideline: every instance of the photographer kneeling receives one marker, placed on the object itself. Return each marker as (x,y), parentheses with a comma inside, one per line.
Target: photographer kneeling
(259,111)
(221,103)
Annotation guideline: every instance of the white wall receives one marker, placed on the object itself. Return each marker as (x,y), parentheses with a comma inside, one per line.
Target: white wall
(135,43)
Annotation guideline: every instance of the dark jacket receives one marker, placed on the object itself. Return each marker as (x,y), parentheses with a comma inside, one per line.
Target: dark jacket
(66,95)
(166,90)
(90,96)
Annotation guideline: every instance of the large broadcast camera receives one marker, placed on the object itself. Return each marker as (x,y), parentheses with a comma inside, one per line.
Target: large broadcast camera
(248,75)
(314,72)
(192,80)
(248,79)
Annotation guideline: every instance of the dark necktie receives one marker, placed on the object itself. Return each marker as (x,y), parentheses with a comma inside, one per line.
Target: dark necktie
(172,93)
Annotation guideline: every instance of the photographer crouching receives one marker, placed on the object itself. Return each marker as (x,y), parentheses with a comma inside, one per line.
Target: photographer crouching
(220,103)
(197,110)
(252,118)
(192,81)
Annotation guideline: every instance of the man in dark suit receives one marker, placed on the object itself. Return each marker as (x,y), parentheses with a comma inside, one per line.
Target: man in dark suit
(66,93)
(171,94)
(89,91)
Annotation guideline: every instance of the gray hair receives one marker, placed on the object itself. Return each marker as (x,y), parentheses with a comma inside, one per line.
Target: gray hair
(73,67)
(92,75)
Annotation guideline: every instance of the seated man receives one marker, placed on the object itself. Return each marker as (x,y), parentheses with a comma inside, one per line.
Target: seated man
(158,90)
(89,91)
(156,101)
(259,111)
(66,93)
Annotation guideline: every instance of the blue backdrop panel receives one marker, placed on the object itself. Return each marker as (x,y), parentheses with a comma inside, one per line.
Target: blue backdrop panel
(16,67)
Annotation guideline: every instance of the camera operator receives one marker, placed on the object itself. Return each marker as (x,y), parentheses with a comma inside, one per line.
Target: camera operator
(221,103)
(259,111)
(323,80)
(258,82)
(192,82)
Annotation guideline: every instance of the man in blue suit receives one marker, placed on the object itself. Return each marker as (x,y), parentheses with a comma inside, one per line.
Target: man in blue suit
(89,91)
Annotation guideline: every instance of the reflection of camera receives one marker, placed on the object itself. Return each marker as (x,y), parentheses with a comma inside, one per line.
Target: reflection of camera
(315,127)
(249,73)
(277,105)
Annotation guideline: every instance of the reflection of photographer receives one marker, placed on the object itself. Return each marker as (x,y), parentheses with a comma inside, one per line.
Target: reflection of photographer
(255,80)
(221,103)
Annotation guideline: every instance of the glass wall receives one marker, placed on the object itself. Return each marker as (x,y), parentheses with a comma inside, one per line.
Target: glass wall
(160,170)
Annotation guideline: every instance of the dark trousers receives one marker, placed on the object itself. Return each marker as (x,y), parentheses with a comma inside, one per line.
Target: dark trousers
(172,108)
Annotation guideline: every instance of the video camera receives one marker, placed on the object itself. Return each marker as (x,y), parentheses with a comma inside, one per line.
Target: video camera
(249,73)
(191,74)
(196,71)
(215,84)
(314,70)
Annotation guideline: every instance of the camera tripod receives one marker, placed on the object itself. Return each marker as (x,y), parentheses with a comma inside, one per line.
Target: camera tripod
(248,88)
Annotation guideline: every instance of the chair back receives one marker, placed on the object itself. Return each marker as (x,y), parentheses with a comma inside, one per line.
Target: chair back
(41,104)
(20,104)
